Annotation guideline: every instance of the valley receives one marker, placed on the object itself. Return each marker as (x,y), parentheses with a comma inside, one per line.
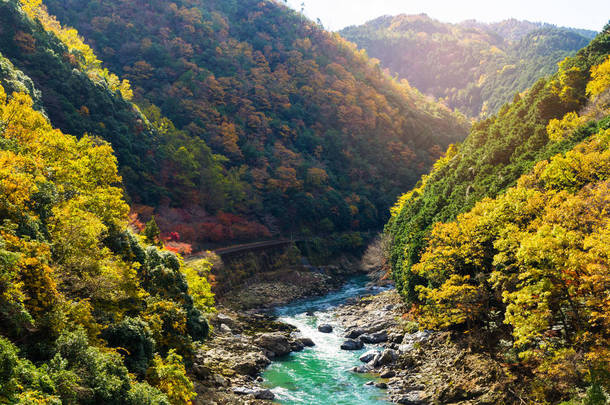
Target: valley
(222,202)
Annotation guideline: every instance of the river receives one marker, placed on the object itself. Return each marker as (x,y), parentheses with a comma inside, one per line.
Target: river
(321,374)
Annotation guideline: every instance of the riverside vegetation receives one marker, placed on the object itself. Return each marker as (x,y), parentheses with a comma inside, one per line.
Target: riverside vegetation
(173,126)
(505,240)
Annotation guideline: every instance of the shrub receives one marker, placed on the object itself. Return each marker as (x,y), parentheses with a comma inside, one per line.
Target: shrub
(134,336)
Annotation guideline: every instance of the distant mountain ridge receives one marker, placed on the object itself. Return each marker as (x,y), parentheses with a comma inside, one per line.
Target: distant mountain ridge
(473,66)
(513,30)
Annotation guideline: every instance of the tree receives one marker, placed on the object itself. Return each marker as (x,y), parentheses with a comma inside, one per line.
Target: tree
(170,377)
(152,232)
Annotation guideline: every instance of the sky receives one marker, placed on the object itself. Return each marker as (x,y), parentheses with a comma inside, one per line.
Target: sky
(337,14)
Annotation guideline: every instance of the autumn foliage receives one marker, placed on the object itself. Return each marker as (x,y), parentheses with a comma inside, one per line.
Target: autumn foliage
(263,116)
(76,286)
(525,273)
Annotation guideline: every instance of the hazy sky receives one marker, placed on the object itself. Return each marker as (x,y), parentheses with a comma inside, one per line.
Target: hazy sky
(336,14)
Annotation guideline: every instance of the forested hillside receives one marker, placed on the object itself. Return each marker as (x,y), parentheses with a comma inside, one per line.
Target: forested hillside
(472,66)
(506,239)
(90,312)
(276,125)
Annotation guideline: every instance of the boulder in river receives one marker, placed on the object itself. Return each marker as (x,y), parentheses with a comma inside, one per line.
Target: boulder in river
(296,346)
(325,328)
(305,341)
(387,374)
(368,356)
(276,342)
(351,344)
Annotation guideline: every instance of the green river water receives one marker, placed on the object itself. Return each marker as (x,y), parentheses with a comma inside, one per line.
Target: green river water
(321,374)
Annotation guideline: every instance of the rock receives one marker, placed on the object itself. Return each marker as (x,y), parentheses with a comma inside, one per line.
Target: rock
(410,339)
(250,364)
(243,391)
(220,380)
(276,343)
(395,337)
(368,356)
(305,341)
(257,393)
(201,371)
(224,329)
(381,385)
(351,344)
(389,307)
(365,368)
(309,313)
(246,367)
(225,319)
(353,333)
(379,325)
(325,328)
(369,383)
(387,356)
(387,374)
(264,394)
(411,398)
(296,346)
(377,337)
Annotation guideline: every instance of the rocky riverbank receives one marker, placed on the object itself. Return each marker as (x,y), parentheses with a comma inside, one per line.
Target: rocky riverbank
(415,366)
(245,339)
(276,288)
(227,369)
(420,367)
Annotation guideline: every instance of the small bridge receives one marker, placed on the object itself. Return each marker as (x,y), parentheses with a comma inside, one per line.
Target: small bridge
(240,262)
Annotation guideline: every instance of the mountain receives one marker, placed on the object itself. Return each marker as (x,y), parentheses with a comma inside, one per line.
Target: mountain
(310,135)
(76,100)
(513,29)
(506,239)
(474,67)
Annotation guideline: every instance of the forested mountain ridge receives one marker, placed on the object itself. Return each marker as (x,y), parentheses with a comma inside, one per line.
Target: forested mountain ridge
(472,66)
(506,239)
(513,29)
(75,101)
(311,136)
